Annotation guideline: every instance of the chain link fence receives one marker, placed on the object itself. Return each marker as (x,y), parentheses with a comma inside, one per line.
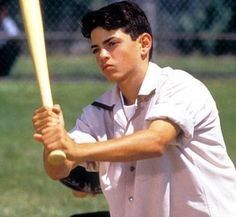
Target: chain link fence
(206,27)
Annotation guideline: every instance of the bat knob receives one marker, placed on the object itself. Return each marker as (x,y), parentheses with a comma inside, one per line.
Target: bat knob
(56,157)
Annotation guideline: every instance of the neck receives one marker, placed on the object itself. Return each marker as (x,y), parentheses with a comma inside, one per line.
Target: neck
(131,86)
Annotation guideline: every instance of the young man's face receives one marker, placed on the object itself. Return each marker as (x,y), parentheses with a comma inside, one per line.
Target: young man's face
(117,55)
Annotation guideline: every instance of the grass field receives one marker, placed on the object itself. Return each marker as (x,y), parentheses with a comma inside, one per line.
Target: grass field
(25,189)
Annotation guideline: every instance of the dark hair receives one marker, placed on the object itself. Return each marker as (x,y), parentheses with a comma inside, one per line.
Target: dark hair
(125,14)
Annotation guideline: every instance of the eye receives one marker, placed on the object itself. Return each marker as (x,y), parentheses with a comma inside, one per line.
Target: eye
(95,50)
(112,44)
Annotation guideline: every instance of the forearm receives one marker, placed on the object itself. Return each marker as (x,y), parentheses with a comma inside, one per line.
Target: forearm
(141,145)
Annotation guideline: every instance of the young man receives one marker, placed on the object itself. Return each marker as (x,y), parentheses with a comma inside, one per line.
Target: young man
(155,137)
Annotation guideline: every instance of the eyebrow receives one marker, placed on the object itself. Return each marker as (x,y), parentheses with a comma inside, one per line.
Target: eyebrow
(104,42)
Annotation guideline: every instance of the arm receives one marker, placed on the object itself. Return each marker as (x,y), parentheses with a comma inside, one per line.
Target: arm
(148,143)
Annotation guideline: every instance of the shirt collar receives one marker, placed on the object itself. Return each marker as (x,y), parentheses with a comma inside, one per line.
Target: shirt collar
(148,87)
(150,80)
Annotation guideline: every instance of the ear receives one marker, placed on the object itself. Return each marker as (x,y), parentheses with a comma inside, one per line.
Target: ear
(145,41)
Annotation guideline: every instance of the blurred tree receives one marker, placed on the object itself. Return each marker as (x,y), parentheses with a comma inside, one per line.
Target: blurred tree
(228,46)
(186,16)
(61,15)
(166,16)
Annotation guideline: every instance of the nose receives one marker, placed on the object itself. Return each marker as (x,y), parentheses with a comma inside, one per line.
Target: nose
(104,55)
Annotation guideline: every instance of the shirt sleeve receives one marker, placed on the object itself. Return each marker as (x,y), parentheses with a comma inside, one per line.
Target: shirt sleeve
(81,133)
(178,100)
(177,115)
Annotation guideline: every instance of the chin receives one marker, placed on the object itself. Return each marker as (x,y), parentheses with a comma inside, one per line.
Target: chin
(113,77)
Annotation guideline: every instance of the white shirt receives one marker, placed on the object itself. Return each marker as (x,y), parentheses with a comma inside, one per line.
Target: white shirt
(129,110)
(194,178)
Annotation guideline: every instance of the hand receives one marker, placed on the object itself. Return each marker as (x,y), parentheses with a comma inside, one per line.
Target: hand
(45,117)
(49,126)
(55,137)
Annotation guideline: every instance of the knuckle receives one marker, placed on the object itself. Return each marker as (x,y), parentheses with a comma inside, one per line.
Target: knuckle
(48,124)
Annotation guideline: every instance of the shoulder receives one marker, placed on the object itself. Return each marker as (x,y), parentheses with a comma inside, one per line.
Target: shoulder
(179,84)
(107,100)
(177,78)
(168,74)
(104,102)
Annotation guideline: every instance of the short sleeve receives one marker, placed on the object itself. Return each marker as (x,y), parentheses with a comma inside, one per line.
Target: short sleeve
(81,137)
(82,131)
(177,115)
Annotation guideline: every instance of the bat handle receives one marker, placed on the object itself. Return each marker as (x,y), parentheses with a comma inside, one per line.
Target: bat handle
(56,157)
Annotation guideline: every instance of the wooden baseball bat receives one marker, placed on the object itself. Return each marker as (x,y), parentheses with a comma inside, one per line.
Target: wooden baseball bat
(32,19)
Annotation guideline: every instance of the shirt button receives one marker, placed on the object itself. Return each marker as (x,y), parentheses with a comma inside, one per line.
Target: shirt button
(132,168)
(131,198)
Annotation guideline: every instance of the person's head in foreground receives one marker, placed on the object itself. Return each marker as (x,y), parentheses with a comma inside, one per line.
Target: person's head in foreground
(121,38)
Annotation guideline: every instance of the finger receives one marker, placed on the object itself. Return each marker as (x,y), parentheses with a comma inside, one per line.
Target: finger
(39,125)
(38,137)
(44,114)
(47,121)
(45,118)
(52,138)
(41,110)
(56,109)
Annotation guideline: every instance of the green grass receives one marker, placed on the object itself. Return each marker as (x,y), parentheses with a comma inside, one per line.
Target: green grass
(25,188)
(60,67)
(224,92)
(201,65)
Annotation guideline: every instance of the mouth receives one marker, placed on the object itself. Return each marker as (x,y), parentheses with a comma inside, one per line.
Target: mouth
(106,66)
